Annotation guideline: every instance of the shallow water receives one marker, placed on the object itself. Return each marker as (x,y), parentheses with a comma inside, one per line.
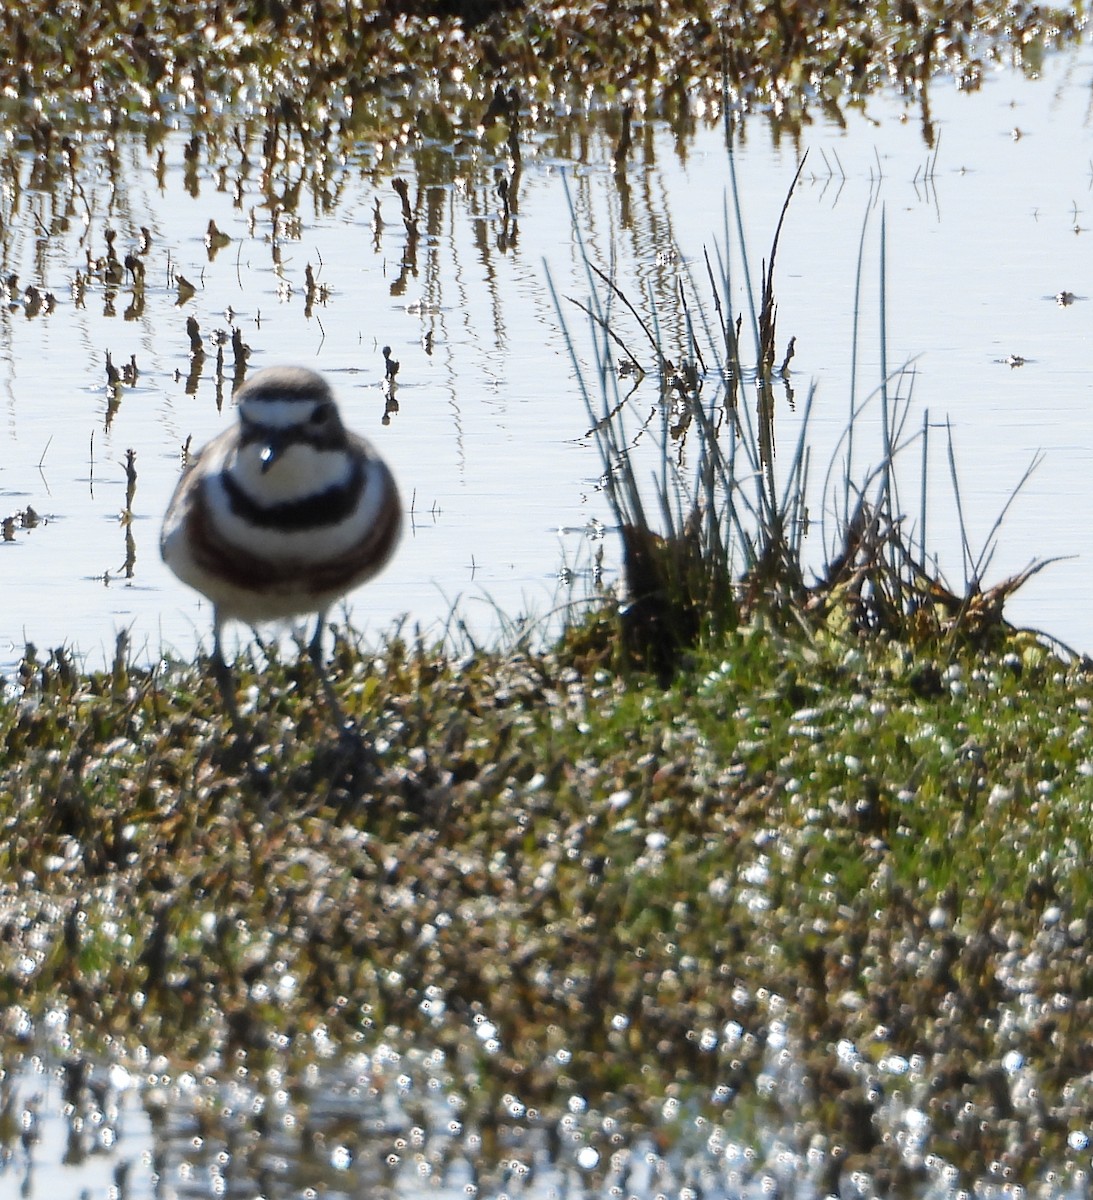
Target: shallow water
(403,1125)
(983,232)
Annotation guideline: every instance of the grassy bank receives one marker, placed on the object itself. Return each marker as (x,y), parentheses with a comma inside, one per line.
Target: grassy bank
(837,837)
(328,68)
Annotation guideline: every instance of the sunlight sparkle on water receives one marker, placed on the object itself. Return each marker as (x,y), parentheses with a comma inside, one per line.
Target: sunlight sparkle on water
(489,442)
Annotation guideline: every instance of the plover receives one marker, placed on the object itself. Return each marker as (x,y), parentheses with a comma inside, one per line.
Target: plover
(282,514)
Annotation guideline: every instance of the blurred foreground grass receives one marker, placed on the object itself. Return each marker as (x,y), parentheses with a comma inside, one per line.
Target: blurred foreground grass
(858,843)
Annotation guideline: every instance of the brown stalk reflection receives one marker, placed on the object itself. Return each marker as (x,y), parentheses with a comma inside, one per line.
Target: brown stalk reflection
(454,183)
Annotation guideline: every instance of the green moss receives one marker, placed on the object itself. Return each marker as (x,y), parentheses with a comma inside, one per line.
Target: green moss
(574,855)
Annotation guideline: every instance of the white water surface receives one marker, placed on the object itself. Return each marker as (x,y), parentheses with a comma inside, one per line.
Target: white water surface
(500,482)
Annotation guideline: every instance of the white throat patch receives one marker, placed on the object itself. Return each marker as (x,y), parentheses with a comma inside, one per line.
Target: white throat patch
(299,470)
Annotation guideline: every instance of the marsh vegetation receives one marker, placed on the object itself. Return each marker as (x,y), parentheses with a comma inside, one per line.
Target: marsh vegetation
(760,853)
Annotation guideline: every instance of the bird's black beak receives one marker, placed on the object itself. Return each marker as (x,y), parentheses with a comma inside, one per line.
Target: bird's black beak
(272,450)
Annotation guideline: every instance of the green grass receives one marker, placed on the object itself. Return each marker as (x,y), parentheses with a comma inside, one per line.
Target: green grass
(898,847)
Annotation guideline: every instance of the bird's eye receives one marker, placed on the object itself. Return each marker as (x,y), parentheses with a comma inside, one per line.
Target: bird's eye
(320,414)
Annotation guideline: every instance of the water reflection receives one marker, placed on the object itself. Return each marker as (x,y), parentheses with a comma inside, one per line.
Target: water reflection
(146,273)
(404,1125)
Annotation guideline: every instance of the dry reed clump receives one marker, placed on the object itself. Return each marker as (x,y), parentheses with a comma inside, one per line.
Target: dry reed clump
(716,535)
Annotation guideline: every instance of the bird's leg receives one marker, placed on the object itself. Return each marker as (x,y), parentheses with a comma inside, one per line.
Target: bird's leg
(256,634)
(351,762)
(222,673)
(315,653)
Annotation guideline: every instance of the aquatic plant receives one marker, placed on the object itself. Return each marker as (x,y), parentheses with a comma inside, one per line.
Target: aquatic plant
(717,533)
